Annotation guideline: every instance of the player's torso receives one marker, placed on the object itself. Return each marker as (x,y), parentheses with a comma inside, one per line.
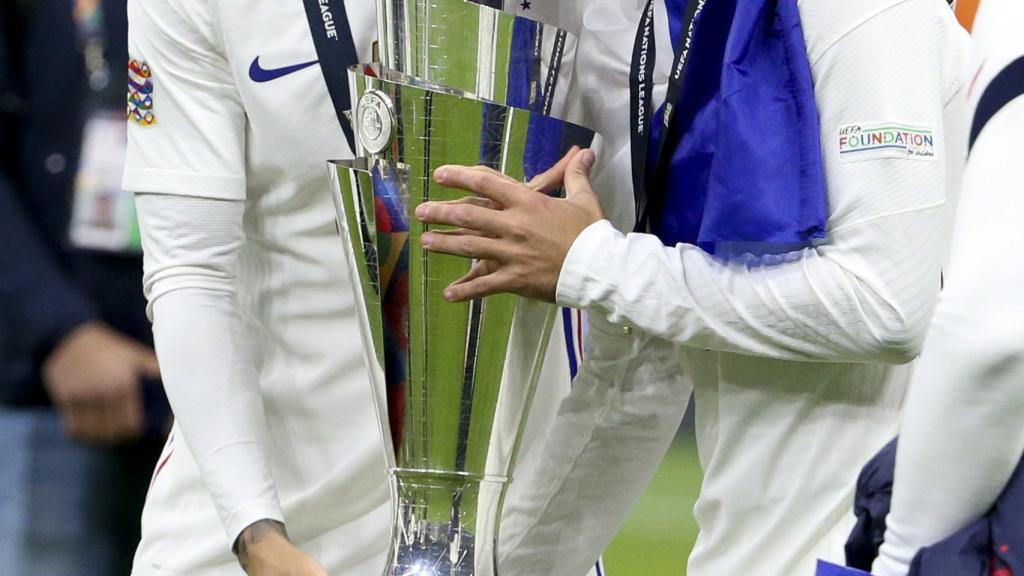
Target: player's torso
(292,127)
(294,287)
(781,444)
(295,280)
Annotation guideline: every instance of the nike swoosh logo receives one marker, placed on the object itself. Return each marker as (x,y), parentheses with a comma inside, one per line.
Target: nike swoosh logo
(258,73)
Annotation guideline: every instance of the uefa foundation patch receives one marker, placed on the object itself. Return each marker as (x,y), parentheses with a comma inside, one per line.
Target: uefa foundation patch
(140,94)
(858,142)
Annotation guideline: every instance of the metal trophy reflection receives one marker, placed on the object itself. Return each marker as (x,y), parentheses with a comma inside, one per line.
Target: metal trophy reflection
(459,83)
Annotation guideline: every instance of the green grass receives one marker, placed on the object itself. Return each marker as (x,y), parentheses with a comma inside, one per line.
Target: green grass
(660,533)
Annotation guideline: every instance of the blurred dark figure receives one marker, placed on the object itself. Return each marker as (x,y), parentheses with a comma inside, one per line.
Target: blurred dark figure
(82,413)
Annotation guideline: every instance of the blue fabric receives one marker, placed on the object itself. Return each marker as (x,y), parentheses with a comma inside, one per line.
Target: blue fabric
(524,71)
(871,506)
(746,162)
(546,143)
(50,525)
(992,543)
(829,569)
(676,9)
(569,341)
(547,139)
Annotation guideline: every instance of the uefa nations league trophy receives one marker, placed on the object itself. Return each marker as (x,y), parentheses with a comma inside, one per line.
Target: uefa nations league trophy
(459,83)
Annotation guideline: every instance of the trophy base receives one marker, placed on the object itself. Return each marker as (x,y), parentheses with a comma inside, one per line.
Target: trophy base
(445,524)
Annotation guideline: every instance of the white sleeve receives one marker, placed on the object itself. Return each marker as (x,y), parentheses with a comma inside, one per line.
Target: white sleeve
(191,261)
(962,436)
(865,294)
(187,164)
(195,143)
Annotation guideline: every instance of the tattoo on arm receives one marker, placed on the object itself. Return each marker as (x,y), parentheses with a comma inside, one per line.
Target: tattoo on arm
(252,535)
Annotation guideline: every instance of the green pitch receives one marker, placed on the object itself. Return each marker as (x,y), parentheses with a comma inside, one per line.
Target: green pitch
(660,533)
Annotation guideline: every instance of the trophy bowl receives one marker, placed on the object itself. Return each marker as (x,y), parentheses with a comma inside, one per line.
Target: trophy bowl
(453,381)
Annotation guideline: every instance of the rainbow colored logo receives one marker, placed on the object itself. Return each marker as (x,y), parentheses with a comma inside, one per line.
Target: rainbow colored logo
(140,94)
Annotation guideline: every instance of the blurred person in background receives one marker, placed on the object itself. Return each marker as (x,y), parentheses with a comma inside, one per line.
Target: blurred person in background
(82,413)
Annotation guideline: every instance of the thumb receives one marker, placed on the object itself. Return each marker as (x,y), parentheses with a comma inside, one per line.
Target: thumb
(577,175)
(554,177)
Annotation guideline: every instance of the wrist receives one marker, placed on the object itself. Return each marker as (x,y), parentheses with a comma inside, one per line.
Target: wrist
(587,256)
(251,544)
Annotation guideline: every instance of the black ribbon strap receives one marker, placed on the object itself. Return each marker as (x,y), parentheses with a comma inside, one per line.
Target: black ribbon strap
(641,91)
(336,49)
(641,82)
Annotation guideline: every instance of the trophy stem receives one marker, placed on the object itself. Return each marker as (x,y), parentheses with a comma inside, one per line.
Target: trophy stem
(446,524)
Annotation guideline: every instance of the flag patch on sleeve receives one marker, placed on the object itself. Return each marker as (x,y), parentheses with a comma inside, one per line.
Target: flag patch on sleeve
(858,142)
(140,93)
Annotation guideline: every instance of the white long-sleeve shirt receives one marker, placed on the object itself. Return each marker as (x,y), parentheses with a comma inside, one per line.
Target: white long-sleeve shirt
(253,315)
(794,359)
(962,435)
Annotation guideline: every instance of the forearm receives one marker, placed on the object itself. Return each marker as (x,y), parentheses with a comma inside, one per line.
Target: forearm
(865,296)
(208,366)
(212,385)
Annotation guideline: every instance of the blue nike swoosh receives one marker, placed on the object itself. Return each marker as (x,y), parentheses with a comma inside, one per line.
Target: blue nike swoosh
(259,74)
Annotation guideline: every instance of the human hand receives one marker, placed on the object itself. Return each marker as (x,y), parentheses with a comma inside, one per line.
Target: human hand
(519,236)
(94,378)
(264,550)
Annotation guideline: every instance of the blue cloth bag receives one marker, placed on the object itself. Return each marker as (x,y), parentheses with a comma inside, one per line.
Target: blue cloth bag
(992,545)
(745,142)
(829,569)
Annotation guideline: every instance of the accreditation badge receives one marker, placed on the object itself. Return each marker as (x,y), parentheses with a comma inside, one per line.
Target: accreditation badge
(103,217)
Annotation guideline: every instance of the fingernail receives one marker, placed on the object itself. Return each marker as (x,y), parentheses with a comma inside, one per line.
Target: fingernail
(588,158)
(425,239)
(449,294)
(440,174)
(421,211)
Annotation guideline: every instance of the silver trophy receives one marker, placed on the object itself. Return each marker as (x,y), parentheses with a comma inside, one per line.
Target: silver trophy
(459,83)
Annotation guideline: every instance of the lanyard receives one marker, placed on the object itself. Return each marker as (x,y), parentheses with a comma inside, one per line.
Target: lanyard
(336,49)
(641,83)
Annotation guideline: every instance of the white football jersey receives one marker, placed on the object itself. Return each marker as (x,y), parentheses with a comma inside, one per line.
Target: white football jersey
(228,101)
